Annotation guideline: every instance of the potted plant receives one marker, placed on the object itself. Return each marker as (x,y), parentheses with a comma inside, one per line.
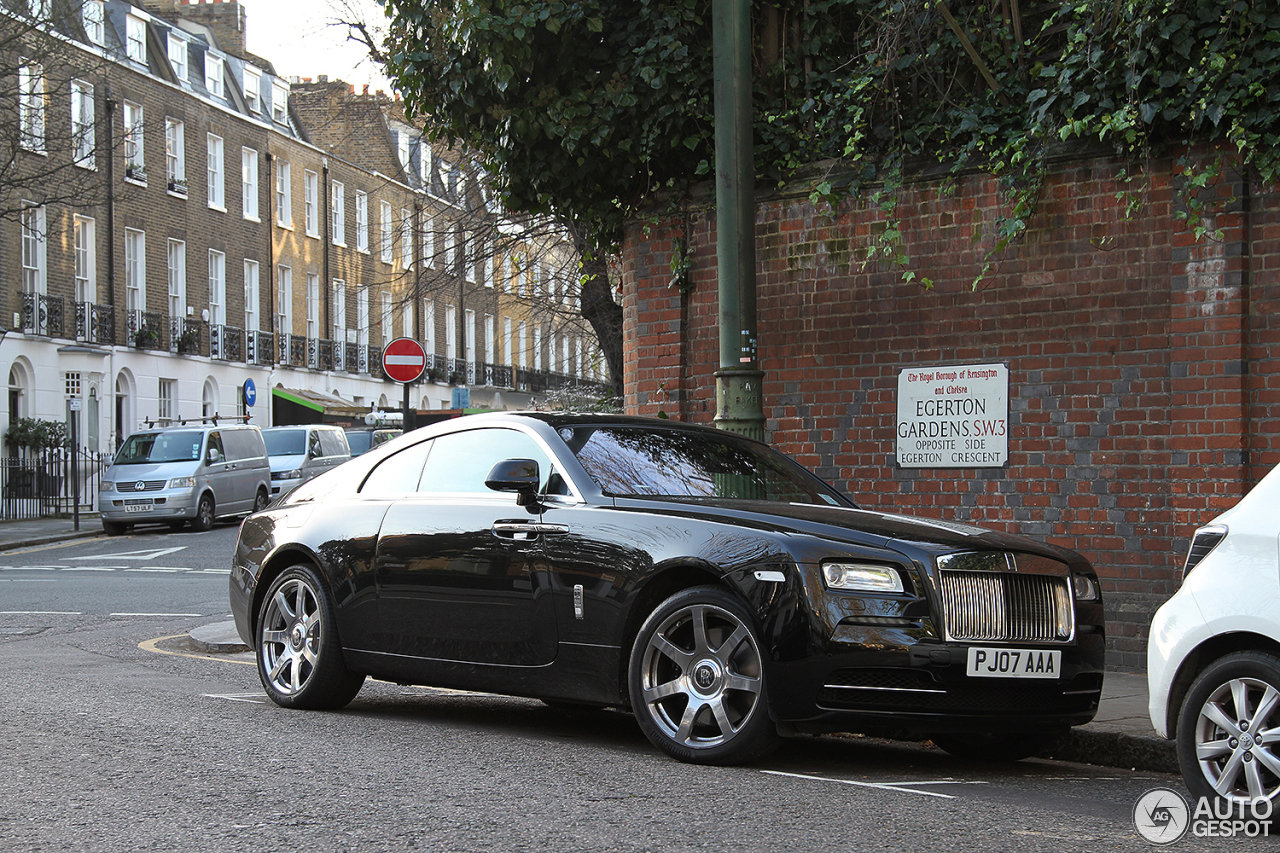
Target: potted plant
(136,171)
(455,378)
(146,337)
(178,185)
(436,374)
(189,341)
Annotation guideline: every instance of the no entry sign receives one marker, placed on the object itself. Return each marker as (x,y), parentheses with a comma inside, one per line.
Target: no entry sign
(403,360)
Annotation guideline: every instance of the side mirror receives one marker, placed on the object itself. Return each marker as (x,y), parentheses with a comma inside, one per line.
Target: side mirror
(515,475)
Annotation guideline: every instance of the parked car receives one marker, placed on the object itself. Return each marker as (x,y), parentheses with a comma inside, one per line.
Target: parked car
(709,583)
(1213,654)
(298,453)
(364,440)
(196,473)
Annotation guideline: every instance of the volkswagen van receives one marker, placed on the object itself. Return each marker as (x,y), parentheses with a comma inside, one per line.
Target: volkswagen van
(177,474)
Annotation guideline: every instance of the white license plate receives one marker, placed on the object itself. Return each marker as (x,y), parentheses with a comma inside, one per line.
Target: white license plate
(1014,663)
(138,508)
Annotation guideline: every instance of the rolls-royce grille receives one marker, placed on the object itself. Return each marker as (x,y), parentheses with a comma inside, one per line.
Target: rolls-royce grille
(1007,607)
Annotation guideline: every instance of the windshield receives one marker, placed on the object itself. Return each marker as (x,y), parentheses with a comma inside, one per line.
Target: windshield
(285,442)
(179,446)
(673,463)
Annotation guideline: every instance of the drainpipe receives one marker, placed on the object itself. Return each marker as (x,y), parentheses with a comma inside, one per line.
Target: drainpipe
(739,405)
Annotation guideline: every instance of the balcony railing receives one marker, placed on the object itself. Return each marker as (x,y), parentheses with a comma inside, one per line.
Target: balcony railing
(259,347)
(95,324)
(42,315)
(185,336)
(147,329)
(226,343)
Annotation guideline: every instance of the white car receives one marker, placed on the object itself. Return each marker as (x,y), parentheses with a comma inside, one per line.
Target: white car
(1213,657)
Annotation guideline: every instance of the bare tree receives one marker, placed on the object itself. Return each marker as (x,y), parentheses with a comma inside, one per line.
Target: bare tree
(54,113)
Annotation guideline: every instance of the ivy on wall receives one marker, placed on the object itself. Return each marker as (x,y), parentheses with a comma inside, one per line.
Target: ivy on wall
(589,109)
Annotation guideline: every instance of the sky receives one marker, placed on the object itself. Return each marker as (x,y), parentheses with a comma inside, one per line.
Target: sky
(299,38)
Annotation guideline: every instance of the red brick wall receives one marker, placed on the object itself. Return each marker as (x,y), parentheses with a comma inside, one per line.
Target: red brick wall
(1143,365)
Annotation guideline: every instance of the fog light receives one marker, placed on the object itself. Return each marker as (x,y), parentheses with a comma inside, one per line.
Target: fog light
(860,576)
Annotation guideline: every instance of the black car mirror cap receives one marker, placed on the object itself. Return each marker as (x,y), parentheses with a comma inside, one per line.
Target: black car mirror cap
(516,475)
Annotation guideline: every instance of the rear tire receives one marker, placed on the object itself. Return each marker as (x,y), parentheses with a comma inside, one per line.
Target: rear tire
(299,652)
(261,500)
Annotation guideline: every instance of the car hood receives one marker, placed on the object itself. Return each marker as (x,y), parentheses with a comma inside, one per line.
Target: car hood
(286,462)
(151,471)
(853,526)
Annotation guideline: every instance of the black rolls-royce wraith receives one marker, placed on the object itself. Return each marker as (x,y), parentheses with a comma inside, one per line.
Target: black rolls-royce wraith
(709,583)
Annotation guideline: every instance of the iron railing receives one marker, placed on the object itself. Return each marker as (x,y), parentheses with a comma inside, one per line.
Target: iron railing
(42,485)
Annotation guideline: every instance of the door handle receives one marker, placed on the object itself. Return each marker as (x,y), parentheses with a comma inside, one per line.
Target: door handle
(525,530)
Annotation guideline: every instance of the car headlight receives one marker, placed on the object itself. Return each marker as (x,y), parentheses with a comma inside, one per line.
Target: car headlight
(286,475)
(106,486)
(1206,539)
(182,483)
(863,577)
(1084,587)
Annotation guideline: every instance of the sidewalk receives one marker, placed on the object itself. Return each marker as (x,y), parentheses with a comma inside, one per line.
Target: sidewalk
(1120,736)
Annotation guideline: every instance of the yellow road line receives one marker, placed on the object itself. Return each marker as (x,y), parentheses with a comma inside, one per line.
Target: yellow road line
(150,646)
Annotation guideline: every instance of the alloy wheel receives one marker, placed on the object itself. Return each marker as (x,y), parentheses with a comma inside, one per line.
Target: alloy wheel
(1237,733)
(292,631)
(701,676)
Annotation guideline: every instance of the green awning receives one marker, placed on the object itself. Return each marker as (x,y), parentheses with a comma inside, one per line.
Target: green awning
(294,398)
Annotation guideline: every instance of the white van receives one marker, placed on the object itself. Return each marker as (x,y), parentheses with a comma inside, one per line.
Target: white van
(298,453)
(176,474)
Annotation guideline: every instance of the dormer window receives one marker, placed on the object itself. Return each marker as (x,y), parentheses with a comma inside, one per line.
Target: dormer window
(94,16)
(279,101)
(178,58)
(213,79)
(253,89)
(136,39)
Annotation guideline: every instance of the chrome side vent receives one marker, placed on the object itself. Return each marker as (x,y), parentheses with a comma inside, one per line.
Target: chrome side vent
(1007,607)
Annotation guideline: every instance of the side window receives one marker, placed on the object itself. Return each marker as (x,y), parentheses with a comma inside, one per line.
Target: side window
(215,452)
(314,449)
(331,443)
(397,474)
(460,461)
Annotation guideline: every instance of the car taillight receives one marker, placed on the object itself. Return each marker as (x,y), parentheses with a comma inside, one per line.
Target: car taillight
(1206,539)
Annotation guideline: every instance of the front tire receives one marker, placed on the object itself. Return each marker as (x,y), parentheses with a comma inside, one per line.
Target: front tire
(261,500)
(299,653)
(1229,730)
(697,680)
(204,514)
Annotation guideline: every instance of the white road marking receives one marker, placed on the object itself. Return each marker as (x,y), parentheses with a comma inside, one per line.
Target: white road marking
(901,787)
(150,554)
(27,580)
(156,614)
(40,613)
(252,698)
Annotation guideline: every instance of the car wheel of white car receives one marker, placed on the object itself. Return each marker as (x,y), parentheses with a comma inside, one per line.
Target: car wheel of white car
(1229,730)
(697,680)
(299,655)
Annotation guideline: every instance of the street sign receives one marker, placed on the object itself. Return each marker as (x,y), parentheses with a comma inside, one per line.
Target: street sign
(403,360)
(250,393)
